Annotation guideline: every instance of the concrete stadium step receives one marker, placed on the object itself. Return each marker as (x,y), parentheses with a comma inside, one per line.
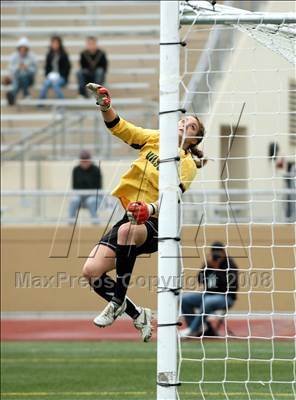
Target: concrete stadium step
(82,103)
(111,45)
(120,86)
(132,72)
(130,36)
(78,7)
(54,20)
(81,30)
(33,115)
(110,42)
(111,57)
(71,92)
(113,64)
(81,22)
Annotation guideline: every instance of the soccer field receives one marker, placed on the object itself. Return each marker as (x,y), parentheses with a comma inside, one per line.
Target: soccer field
(127,370)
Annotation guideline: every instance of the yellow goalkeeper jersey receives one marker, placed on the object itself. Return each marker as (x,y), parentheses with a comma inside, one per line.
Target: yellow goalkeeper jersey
(140,182)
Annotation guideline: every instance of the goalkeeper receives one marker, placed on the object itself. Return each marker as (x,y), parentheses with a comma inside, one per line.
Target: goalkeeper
(136,233)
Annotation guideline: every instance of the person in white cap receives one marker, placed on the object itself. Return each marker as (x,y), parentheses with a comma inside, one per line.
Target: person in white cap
(23,68)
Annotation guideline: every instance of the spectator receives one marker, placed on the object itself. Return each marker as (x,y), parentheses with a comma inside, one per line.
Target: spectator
(93,63)
(85,176)
(22,69)
(57,68)
(290,181)
(220,281)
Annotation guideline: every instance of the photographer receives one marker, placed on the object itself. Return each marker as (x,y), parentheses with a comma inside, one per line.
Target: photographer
(220,281)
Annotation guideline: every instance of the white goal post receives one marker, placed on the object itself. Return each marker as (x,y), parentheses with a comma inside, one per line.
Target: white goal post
(174,13)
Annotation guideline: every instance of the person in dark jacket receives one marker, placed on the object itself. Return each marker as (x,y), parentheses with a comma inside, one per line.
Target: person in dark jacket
(93,65)
(57,69)
(85,176)
(219,278)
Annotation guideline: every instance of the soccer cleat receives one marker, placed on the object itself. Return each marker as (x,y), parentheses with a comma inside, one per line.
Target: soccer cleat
(109,314)
(143,324)
(185,332)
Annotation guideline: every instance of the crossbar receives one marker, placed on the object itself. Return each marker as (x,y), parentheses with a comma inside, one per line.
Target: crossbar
(254,18)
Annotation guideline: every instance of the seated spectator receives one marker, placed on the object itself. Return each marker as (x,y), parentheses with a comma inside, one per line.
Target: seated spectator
(22,69)
(57,69)
(85,176)
(220,281)
(93,63)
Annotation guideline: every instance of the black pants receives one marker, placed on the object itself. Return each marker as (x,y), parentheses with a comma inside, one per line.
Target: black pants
(149,246)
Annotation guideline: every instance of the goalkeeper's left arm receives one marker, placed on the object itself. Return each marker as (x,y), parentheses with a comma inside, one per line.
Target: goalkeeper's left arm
(131,134)
(103,99)
(139,212)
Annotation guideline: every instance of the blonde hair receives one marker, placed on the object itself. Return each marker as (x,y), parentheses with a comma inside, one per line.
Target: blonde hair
(199,158)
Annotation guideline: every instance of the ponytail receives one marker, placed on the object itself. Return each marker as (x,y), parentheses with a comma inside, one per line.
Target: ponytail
(199,159)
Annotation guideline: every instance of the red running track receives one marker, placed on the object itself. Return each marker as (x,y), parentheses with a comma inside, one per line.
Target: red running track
(123,329)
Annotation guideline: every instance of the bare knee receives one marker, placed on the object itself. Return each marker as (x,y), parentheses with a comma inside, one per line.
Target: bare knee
(100,261)
(125,234)
(90,271)
(129,234)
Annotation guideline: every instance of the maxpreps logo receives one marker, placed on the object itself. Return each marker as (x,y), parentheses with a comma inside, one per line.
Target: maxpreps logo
(153,158)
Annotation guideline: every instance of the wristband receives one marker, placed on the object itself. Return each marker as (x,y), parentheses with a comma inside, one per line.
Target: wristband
(153,208)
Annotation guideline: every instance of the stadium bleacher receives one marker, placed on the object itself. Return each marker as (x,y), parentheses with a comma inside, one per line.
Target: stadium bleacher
(56,131)
(128,34)
(131,47)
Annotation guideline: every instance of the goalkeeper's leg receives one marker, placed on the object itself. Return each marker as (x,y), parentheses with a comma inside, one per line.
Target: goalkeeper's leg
(129,237)
(100,261)
(106,257)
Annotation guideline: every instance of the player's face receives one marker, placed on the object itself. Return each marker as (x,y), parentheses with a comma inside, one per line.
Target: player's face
(187,130)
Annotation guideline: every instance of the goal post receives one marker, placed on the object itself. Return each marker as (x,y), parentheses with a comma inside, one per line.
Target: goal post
(276,31)
(168,249)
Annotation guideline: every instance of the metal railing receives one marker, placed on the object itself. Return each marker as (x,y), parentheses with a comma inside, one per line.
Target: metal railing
(66,134)
(243,206)
(50,207)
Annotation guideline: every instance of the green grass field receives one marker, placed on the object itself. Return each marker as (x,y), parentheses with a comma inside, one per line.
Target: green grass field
(125,370)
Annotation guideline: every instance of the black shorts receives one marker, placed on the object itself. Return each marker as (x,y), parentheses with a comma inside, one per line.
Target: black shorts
(149,246)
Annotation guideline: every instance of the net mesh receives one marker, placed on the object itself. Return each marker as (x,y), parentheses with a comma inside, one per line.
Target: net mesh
(245,198)
(280,39)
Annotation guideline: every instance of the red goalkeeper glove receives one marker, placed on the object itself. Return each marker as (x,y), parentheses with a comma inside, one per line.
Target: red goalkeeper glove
(138,212)
(102,95)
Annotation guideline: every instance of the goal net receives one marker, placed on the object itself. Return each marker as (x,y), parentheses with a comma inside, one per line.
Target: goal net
(237,74)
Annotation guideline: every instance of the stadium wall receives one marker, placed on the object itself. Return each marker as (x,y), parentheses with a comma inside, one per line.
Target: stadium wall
(52,176)
(260,78)
(41,267)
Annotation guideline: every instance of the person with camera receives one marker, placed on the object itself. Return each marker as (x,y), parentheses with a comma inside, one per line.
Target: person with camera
(219,279)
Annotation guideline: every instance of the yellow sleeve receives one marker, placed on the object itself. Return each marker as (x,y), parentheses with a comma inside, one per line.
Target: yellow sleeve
(133,135)
(188,172)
